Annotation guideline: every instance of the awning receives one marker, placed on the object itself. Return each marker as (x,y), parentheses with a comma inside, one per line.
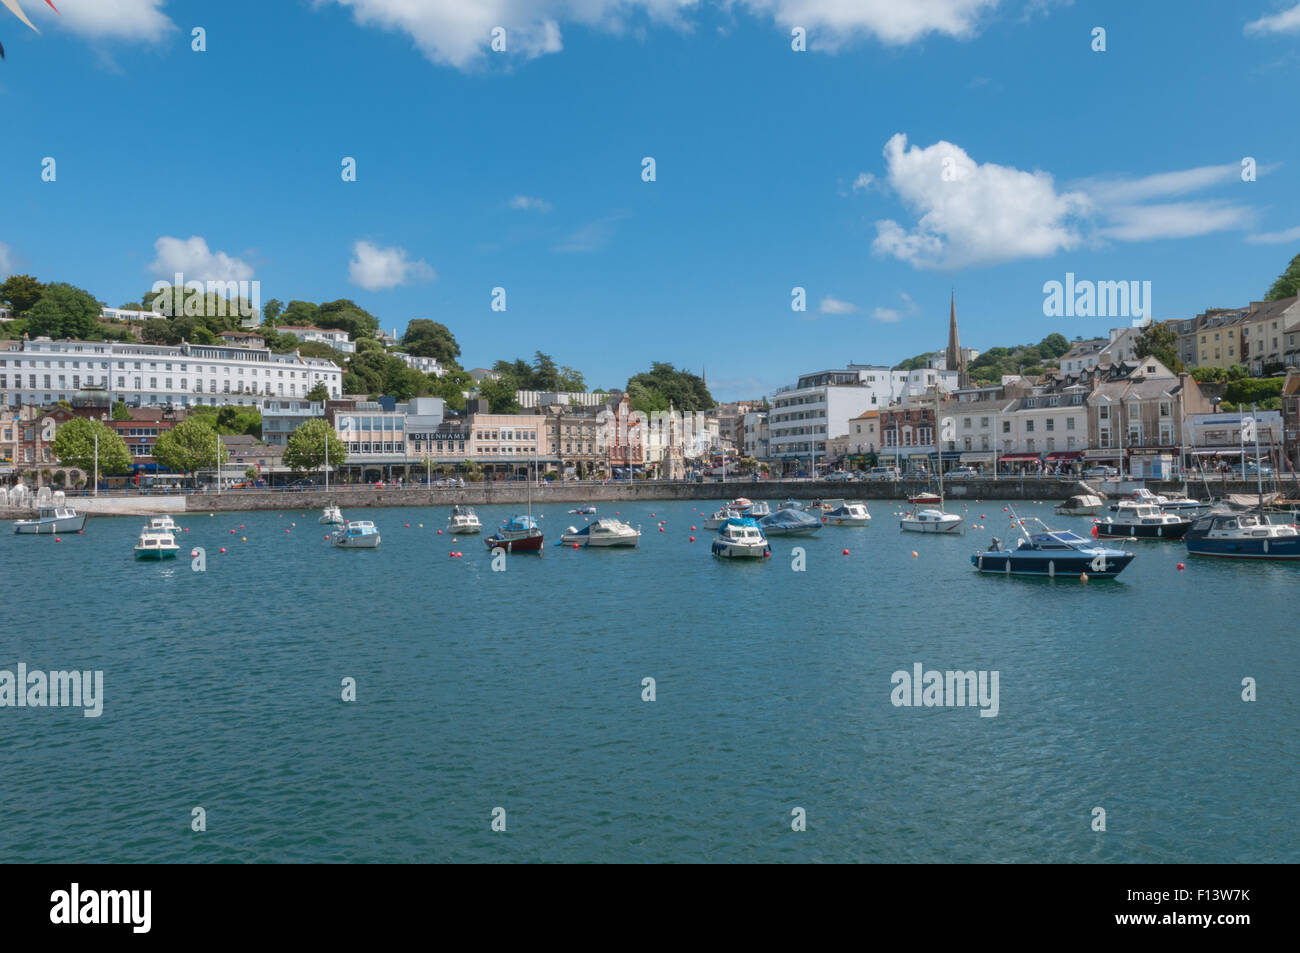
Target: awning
(977,457)
(948,455)
(1065,455)
(1222,452)
(1019,456)
(1103,454)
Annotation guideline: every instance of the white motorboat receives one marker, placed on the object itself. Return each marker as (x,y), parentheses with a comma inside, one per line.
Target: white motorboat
(464,520)
(741,538)
(931,520)
(719,518)
(156,544)
(603,532)
(356,534)
(848,514)
(758,509)
(162,524)
(584,510)
(52,519)
(1142,521)
(332,516)
(1082,504)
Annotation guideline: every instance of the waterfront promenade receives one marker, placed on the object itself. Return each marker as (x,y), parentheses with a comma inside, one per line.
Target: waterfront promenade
(348,496)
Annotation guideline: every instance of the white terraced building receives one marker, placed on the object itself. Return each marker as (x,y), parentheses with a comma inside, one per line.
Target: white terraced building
(43,372)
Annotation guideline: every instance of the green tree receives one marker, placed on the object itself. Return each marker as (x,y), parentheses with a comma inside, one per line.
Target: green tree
(662,384)
(120,411)
(451,388)
(346,315)
(271,312)
(21,291)
(306,448)
(1159,340)
(319,393)
(500,395)
(1287,284)
(74,445)
(1054,345)
(189,446)
(425,338)
(64,311)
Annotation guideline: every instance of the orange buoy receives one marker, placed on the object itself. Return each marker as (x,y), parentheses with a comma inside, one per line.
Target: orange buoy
(914,554)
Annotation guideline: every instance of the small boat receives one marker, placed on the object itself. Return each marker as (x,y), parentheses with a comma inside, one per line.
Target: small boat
(519,535)
(930,520)
(790,505)
(52,519)
(719,518)
(156,544)
(848,514)
(356,534)
(925,499)
(758,509)
(332,516)
(163,524)
(583,510)
(1051,553)
(464,520)
(1081,504)
(1232,535)
(741,538)
(603,532)
(1142,521)
(789,521)
(1140,495)
(1183,504)
(819,507)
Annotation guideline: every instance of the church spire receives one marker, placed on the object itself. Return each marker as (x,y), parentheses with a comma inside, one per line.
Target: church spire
(956,359)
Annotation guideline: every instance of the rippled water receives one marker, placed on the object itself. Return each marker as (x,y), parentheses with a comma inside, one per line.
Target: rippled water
(522,689)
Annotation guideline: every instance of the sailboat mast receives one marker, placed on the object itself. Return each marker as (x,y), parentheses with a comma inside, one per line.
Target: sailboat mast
(1259,473)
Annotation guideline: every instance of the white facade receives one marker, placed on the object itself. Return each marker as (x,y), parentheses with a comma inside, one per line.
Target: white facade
(546,398)
(118,314)
(338,340)
(1044,424)
(142,375)
(425,365)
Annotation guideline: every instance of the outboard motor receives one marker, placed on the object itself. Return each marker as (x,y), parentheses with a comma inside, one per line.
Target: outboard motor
(996,545)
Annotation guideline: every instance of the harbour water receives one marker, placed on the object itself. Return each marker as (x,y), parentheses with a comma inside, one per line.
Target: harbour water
(523,689)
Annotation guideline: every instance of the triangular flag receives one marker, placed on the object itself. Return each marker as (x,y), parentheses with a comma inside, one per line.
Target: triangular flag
(18,12)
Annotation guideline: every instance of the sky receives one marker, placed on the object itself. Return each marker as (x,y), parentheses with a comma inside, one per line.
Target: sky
(978,148)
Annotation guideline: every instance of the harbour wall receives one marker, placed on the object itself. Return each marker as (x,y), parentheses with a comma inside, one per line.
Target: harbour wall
(484,494)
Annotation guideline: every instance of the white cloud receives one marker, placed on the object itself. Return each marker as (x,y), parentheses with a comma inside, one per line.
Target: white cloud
(831,305)
(108,19)
(972,214)
(592,236)
(979,214)
(1137,223)
(192,258)
(529,204)
(6,260)
(377,269)
(863,181)
(1288,21)
(1264,238)
(458,33)
(887,315)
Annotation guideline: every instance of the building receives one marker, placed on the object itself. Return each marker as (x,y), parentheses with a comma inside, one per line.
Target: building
(9,424)
(755,438)
(955,358)
(425,365)
(140,434)
(1264,327)
(864,434)
(1291,420)
(1216,334)
(1216,438)
(125,314)
(1050,426)
(280,418)
(242,339)
(339,340)
(977,418)
(1082,356)
(907,435)
(44,372)
(574,437)
(529,399)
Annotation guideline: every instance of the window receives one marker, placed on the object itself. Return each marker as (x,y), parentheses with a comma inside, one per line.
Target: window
(1051,424)
(1029,426)
(1006,426)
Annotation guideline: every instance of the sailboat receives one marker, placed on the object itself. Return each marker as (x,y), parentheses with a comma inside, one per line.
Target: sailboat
(520,534)
(931,519)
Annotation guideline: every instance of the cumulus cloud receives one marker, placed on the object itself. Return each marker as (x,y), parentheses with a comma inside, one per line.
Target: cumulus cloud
(970,213)
(894,315)
(192,258)
(1288,21)
(458,33)
(6,261)
(973,214)
(831,305)
(377,269)
(1263,238)
(863,181)
(108,19)
(527,203)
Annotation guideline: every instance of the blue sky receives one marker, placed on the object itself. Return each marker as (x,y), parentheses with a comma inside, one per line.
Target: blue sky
(775,169)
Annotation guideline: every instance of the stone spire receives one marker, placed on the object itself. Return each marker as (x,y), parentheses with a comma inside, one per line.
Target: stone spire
(955,359)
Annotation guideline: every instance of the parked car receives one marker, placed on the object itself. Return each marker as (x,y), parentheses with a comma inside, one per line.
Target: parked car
(885,473)
(963,473)
(1100,473)
(1252,469)
(839,476)
(302,484)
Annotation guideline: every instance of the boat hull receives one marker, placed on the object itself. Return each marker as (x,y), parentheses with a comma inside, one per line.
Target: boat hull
(1172,531)
(726,550)
(1066,565)
(1078,510)
(527,544)
(156,554)
(930,526)
(64,524)
(466,529)
(797,531)
(1277,549)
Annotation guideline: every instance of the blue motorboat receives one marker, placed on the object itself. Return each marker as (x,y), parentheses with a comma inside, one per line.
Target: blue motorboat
(1051,553)
(741,538)
(1234,535)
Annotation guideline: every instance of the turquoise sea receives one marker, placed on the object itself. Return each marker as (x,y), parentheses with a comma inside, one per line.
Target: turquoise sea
(522,689)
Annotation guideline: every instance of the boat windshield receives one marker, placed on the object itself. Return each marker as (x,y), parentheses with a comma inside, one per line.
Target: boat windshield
(1062,539)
